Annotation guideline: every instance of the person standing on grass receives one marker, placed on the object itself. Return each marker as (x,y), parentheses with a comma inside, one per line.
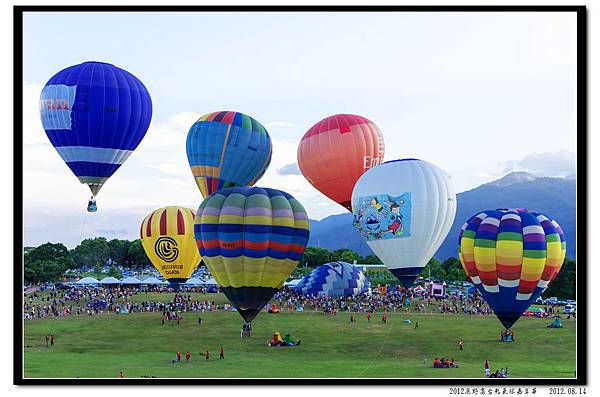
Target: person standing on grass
(461,344)
(121,375)
(221,353)
(47,339)
(369,317)
(187,356)
(51,339)
(207,355)
(416,324)
(178,356)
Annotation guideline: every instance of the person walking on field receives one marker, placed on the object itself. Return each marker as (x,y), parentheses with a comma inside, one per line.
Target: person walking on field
(187,356)
(207,355)
(461,344)
(52,340)
(222,354)
(178,356)
(47,339)
(369,317)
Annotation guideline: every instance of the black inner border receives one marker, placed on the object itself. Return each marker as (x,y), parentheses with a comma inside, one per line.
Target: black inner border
(581,191)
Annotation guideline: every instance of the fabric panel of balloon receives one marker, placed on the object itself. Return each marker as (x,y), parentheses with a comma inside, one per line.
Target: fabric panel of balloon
(167,236)
(511,255)
(335,279)
(251,240)
(404,209)
(227,149)
(336,151)
(95,114)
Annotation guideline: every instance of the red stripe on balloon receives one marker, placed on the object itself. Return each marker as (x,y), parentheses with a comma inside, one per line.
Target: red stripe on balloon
(163,223)
(180,223)
(149,226)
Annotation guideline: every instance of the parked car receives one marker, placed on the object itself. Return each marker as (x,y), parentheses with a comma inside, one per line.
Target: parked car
(61,286)
(571,302)
(569,309)
(551,301)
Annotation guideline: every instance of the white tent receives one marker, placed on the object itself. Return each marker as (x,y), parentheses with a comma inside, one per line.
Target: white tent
(292,283)
(194,281)
(153,281)
(130,280)
(210,281)
(88,281)
(110,280)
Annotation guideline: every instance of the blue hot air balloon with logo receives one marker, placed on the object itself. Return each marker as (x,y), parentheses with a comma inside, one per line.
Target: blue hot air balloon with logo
(95,115)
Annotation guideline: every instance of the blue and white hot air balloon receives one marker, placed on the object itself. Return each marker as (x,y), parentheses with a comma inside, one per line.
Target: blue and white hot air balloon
(95,115)
(336,279)
(404,209)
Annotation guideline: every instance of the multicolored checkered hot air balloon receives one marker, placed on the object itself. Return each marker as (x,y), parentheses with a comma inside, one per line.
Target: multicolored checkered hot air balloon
(227,149)
(336,279)
(336,151)
(251,239)
(95,114)
(511,255)
(168,238)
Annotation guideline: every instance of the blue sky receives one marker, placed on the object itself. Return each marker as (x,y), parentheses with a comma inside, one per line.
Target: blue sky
(479,95)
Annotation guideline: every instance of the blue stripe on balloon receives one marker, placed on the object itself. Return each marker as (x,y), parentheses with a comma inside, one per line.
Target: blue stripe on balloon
(85,168)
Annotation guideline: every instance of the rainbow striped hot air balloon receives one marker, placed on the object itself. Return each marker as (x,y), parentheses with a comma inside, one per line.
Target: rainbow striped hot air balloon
(511,256)
(251,239)
(227,149)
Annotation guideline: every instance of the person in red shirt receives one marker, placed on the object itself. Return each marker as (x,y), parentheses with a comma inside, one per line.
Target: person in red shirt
(222,353)
(207,354)
(121,374)
(369,317)
(486,365)
(178,356)
(187,356)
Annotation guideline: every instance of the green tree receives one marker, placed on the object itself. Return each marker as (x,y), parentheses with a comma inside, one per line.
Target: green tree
(454,270)
(563,286)
(315,256)
(370,260)
(114,272)
(136,256)
(345,255)
(434,270)
(92,252)
(46,263)
(118,250)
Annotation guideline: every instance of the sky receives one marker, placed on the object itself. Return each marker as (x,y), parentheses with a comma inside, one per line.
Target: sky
(477,94)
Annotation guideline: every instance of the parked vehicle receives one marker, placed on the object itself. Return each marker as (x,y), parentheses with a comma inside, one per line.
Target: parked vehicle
(569,309)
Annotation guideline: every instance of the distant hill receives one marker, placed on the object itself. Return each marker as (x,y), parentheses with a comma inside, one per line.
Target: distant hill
(552,196)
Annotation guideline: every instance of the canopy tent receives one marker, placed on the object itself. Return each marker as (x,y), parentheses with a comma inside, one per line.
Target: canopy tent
(292,283)
(194,281)
(109,280)
(153,281)
(130,280)
(87,281)
(211,281)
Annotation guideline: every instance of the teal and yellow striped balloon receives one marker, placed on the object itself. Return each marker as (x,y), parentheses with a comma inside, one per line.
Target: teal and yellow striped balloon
(511,256)
(251,240)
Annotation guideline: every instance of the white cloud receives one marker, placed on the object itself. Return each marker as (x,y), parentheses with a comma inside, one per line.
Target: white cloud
(555,164)
(277,124)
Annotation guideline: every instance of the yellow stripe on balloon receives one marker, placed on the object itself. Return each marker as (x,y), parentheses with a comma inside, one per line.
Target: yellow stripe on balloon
(532,268)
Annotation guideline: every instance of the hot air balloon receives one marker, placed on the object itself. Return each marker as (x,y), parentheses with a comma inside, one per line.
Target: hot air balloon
(251,239)
(168,238)
(227,149)
(336,151)
(95,114)
(511,255)
(404,209)
(336,279)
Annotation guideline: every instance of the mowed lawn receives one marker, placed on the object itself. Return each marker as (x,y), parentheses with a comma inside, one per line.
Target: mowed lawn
(137,344)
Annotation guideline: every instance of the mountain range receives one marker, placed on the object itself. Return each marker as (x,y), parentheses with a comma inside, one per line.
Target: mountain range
(555,197)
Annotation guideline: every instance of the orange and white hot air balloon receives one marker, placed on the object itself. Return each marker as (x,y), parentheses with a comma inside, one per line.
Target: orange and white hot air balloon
(336,151)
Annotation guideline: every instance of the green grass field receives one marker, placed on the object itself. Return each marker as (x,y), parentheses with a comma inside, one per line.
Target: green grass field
(138,345)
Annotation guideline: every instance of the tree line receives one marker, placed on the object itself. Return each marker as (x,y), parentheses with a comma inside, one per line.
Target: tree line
(48,262)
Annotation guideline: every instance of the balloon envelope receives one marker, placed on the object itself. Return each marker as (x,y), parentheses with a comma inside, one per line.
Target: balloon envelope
(511,256)
(251,239)
(227,149)
(336,151)
(336,279)
(95,114)
(168,238)
(404,209)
